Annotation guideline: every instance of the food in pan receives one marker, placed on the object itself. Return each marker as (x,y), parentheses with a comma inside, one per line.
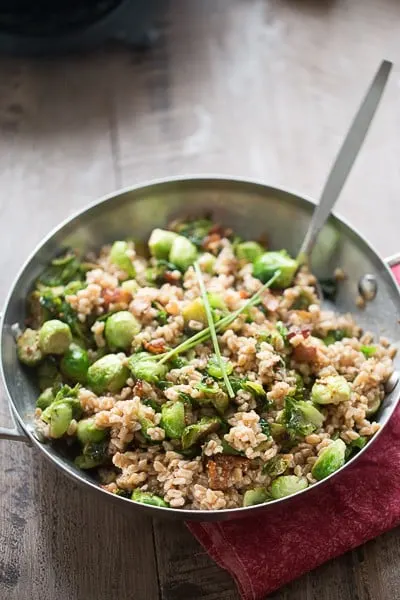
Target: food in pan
(199,372)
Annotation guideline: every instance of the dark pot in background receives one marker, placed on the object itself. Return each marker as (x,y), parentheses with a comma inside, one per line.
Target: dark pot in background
(46,27)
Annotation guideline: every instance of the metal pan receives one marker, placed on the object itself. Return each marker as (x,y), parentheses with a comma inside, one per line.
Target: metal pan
(252,209)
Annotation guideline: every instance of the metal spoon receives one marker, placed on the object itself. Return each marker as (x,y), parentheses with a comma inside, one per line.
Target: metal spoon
(345,159)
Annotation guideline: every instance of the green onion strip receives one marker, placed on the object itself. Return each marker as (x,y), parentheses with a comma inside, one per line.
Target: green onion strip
(204,335)
(213,333)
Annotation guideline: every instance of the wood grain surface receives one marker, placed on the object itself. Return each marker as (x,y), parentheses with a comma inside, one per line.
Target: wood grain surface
(246,87)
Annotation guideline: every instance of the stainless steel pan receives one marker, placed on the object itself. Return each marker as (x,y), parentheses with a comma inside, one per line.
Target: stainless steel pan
(252,209)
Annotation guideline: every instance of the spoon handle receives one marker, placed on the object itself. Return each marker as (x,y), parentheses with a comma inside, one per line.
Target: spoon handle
(345,158)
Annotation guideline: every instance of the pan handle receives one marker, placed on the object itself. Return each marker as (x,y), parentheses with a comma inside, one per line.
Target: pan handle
(16,433)
(394,263)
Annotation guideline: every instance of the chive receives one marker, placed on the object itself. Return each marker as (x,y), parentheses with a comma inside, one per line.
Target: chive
(204,335)
(213,332)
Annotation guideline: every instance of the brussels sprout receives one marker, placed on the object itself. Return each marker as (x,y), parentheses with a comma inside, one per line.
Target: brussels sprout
(45,399)
(213,395)
(276,466)
(121,329)
(65,392)
(183,253)
(108,374)
(373,406)
(147,498)
(75,363)
(286,485)
(48,375)
(160,242)
(72,287)
(143,366)
(54,337)
(130,285)
(59,416)
(145,424)
(207,262)
(214,370)
(173,419)
(249,251)
(119,257)
(255,388)
(256,496)
(93,455)
(28,349)
(277,430)
(198,431)
(195,310)
(259,394)
(331,390)
(300,418)
(220,401)
(330,460)
(65,396)
(87,431)
(266,265)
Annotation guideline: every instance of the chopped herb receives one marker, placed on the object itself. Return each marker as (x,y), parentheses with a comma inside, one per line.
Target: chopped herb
(355,446)
(177,362)
(335,335)
(152,403)
(237,384)
(329,288)
(185,398)
(61,271)
(265,427)
(195,231)
(228,449)
(59,308)
(213,332)
(162,317)
(368,351)
(163,385)
(282,330)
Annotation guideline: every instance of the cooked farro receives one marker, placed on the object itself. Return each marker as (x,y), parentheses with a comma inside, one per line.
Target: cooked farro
(294,392)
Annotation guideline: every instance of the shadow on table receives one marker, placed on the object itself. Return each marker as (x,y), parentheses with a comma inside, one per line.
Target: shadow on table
(85,93)
(90,551)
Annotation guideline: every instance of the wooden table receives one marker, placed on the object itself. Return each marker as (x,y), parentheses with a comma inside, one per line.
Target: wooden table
(248,87)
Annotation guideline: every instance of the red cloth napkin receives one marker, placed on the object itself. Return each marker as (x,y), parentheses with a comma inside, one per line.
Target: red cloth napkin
(264,552)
